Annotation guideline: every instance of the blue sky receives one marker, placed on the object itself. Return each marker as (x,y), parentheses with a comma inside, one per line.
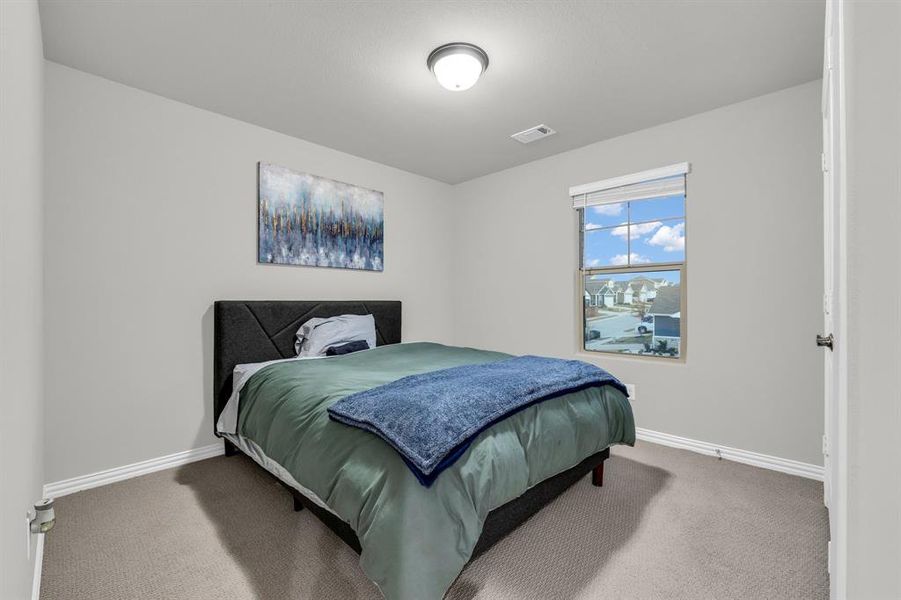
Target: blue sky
(657,232)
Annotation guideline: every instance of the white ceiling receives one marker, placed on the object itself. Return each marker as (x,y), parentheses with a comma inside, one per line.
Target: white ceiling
(352,75)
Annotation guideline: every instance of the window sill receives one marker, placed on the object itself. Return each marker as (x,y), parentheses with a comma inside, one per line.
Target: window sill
(602,356)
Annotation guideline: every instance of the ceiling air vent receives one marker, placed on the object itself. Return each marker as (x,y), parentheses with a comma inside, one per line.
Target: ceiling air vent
(533,133)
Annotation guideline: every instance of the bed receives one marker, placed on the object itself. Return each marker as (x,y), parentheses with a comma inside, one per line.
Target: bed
(352,496)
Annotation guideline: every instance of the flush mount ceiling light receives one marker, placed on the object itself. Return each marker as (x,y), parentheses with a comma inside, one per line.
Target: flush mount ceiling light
(457,66)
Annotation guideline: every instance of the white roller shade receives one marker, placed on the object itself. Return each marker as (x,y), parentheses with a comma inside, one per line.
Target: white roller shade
(668,181)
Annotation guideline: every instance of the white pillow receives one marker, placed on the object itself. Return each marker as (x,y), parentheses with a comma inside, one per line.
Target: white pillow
(317,335)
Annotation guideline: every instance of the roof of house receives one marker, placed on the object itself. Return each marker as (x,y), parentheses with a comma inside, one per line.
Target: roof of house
(655,282)
(593,286)
(668,301)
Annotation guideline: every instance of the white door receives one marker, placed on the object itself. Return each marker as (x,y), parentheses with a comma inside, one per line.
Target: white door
(832,339)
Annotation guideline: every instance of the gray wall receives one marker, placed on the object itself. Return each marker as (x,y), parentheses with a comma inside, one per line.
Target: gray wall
(873,126)
(21,406)
(753,378)
(150,217)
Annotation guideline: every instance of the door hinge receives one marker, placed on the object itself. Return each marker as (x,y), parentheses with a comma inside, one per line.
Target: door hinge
(823,164)
(825,446)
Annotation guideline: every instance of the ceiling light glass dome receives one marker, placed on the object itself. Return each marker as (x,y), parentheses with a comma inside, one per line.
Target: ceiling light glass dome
(457,66)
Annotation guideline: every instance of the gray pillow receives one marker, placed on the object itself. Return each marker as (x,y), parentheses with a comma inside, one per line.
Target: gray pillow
(317,335)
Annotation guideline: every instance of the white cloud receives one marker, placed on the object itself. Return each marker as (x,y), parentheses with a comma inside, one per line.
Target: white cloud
(635,231)
(672,239)
(594,262)
(622,259)
(608,209)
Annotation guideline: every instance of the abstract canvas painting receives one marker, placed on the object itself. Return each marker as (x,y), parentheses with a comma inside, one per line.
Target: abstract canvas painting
(313,221)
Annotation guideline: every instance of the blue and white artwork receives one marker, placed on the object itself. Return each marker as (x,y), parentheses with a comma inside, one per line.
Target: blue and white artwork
(313,221)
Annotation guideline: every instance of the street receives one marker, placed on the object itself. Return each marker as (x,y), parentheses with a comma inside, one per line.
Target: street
(621,325)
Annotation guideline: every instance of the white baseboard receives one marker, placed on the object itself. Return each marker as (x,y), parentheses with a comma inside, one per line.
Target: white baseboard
(38,567)
(774,463)
(86,482)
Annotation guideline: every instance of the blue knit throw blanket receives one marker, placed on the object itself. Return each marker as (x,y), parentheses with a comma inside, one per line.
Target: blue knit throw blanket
(431,418)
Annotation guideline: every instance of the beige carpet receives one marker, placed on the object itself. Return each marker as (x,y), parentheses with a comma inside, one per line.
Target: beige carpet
(667,524)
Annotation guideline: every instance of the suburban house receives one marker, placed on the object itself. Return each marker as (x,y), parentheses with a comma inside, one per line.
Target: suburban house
(609,293)
(603,296)
(643,290)
(667,313)
(624,294)
(668,302)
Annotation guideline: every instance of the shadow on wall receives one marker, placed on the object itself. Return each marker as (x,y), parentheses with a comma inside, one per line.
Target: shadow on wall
(284,554)
(206,337)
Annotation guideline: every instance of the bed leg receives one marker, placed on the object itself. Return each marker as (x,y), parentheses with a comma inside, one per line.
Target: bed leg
(230,449)
(597,475)
(298,506)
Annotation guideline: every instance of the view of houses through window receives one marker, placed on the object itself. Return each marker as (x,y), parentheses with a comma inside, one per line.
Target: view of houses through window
(633,258)
(634,312)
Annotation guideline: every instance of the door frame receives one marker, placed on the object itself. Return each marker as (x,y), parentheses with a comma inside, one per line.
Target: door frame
(835,458)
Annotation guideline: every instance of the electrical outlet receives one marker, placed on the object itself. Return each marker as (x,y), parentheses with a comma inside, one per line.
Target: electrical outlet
(630,390)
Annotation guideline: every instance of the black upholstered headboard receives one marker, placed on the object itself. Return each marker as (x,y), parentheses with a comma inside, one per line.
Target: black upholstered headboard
(257,331)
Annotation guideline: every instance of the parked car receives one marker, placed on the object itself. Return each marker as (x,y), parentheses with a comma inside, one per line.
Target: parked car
(646,325)
(592,334)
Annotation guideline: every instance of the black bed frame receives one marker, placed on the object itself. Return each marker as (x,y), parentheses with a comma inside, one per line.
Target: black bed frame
(257,331)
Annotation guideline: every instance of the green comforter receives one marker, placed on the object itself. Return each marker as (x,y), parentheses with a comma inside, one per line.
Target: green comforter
(416,540)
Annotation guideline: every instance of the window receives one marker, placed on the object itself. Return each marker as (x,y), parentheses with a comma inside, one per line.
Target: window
(632,262)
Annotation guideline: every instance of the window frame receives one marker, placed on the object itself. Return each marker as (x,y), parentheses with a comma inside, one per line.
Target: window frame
(582,272)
